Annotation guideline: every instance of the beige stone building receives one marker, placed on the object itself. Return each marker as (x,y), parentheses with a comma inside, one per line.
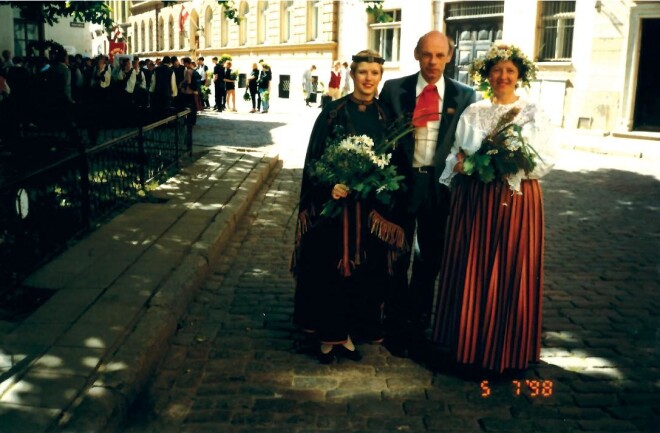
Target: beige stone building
(595,56)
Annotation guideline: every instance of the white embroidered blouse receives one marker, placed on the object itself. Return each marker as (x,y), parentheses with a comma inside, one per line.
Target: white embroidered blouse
(481,117)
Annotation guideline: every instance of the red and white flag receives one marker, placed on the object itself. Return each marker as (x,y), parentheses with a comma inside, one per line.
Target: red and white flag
(183,17)
(117,34)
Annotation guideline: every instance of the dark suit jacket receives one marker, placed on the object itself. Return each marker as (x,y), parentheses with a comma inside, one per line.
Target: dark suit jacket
(399,95)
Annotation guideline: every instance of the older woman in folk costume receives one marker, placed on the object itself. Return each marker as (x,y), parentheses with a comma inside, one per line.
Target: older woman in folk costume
(488,311)
(342,264)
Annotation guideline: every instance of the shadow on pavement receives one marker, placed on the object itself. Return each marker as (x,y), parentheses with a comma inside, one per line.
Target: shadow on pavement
(234,365)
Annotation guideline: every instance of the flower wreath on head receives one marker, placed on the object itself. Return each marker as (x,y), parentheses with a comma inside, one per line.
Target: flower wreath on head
(500,53)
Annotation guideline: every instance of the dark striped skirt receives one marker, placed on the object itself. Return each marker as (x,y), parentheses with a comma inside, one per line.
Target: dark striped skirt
(488,310)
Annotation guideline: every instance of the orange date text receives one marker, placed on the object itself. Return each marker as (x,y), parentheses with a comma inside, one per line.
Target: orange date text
(531,387)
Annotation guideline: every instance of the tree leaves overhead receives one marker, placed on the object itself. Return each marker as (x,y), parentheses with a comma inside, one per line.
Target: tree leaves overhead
(96,12)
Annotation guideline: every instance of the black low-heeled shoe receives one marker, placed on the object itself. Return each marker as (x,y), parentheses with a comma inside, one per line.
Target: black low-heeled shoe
(353,355)
(326,358)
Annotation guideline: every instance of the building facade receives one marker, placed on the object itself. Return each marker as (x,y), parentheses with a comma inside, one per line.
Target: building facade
(596,58)
(16,34)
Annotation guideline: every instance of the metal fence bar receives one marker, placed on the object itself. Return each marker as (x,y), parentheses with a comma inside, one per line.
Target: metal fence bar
(45,209)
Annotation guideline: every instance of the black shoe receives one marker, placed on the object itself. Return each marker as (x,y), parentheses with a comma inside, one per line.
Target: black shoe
(397,347)
(353,355)
(326,358)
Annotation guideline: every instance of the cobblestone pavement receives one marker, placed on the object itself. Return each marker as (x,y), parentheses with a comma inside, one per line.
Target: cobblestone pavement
(233,365)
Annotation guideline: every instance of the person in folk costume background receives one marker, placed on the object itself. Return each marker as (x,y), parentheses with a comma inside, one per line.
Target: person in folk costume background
(140,94)
(489,300)
(202,70)
(334,85)
(188,95)
(342,264)
(434,103)
(100,80)
(163,87)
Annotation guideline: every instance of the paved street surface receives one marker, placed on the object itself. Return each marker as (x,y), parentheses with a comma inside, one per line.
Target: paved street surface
(234,363)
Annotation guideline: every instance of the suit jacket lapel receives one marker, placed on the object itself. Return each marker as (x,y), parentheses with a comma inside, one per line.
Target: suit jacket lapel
(449,110)
(408,96)
(408,101)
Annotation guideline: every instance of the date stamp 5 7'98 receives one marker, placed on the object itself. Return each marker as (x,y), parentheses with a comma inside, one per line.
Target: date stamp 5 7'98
(531,387)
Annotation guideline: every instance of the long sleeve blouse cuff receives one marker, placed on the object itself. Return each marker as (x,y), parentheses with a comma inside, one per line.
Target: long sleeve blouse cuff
(448,173)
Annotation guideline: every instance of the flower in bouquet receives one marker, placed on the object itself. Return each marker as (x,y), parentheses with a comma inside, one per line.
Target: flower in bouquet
(234,75)
(265,95)
(354,161)
(246,95)
(504,154)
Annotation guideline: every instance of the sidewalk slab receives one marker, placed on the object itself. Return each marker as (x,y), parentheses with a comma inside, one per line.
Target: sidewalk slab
(85,354)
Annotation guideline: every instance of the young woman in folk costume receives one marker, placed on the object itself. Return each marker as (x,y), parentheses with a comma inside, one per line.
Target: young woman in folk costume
(342,264)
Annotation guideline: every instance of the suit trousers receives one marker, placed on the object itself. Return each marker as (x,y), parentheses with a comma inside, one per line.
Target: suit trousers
(424,222)
(220,96)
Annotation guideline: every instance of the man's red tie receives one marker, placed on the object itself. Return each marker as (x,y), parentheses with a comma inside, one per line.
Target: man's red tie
(427,105)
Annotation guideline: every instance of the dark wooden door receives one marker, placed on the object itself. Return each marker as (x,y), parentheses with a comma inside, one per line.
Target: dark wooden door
(473,38)
(647,100)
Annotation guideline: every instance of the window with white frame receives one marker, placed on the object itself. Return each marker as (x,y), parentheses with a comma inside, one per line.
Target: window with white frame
(170,33)
(161,34)
(224,30)
(386,37)
(313,20)
(262,22)
(243,10)
(208,28)
(150,36)
(556,35)
(143,40)
(287,21)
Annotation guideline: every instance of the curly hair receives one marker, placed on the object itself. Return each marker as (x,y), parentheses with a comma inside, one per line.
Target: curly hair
(480,67)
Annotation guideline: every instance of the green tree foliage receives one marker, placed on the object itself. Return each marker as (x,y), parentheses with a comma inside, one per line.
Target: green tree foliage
(375,9)
(230,10)
(50,12)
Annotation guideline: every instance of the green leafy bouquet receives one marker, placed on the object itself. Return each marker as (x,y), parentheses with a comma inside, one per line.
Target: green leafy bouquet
(503,155)
(356,162)
(246,95)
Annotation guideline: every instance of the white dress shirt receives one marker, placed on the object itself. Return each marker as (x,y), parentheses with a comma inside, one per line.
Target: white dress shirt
(426,137)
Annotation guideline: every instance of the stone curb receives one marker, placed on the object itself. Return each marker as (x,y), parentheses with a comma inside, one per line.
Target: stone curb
(123,376)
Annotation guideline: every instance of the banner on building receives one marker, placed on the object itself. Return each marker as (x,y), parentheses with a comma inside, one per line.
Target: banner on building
(115,49)
(116,34)
(183,17)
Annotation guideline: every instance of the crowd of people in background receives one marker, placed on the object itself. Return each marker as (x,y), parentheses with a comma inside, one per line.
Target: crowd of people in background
(70,84)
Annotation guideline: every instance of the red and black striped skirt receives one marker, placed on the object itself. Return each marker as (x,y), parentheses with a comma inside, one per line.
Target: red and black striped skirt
(488,310)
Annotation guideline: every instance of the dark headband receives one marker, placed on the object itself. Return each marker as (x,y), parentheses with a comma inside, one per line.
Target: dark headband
(370,59)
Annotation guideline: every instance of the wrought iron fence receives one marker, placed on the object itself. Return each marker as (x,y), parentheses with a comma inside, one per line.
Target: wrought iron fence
(42,210)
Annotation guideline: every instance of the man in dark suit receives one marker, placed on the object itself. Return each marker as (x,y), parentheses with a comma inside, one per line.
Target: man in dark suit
(219,83)
(163,88)
(434,103)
